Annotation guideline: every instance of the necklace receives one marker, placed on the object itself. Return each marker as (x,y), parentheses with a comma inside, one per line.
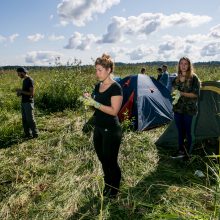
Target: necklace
(105,84)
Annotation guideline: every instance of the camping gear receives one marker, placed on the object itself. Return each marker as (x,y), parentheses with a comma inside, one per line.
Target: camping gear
(146,102)
(207,121)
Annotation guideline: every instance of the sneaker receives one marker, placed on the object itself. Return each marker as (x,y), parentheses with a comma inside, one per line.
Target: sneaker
(178,154)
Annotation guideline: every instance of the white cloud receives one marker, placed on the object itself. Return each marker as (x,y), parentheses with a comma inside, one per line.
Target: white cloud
(198,47)
(54,37)
(80,41)
(185,19)
(196,38)
(13,37)
(215,31)
(211,49)
(188,39)
(192,51)
(133,28)
(42,57)
(10,38)
(140,53)
(114,31)
(116,52)
(167,46)
(2,39)
(148,23)
(35,37)
(174,47)
(145,23)
(79,12)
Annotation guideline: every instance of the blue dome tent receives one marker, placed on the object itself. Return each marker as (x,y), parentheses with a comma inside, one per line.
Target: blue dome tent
(145,101)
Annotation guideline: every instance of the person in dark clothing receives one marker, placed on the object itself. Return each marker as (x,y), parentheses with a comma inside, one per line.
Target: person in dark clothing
(107,99)
(143,70)
(187,84)
(164,79)
(159,72)
(27,103)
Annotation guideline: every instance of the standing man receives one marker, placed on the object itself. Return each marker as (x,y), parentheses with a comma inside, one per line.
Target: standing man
(164,79)
(143,70)
(27,103)
(159,72)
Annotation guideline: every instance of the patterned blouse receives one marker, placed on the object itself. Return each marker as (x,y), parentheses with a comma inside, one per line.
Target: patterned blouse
(186,105)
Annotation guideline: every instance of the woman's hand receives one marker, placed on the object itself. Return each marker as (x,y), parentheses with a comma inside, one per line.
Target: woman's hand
(86,95)
(87,100)
(176,95)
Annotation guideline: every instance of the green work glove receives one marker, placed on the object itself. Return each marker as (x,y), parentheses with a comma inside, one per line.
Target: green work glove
(175,96)
(91,102)
(88,101)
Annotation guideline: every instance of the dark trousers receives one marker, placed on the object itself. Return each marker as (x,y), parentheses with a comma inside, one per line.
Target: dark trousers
(185,125)
(28,120)
(107,144)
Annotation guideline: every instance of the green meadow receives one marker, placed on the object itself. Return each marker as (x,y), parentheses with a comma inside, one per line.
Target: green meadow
(58,176)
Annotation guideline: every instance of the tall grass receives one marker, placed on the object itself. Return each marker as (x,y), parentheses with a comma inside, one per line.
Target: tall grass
(58,175)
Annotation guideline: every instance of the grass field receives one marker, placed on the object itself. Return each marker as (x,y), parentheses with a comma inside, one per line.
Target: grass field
(58,175)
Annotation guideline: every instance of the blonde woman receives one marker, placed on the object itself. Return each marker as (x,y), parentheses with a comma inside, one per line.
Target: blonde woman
(186,108)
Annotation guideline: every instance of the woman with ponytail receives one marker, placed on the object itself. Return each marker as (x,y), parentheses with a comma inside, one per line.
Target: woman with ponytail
(107,99)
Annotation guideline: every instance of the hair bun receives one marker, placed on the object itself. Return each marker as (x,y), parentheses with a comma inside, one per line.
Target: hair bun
(106,56)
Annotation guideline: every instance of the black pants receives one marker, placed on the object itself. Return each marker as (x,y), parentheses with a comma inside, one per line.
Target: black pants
(107,144)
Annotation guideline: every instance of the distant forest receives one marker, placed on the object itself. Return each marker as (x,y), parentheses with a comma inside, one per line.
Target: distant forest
(154,63)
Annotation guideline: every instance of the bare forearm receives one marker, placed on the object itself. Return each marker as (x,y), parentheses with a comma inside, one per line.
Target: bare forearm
(27,93)
(30,93)
(109,110)
(188,94)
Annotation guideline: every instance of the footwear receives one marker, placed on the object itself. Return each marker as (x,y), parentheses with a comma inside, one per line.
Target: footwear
(106,191)
(110,192)
(35,136)
(178,154)
(27,136)
(113,194)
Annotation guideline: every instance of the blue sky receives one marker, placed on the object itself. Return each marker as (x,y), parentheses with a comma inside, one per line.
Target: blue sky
(36,32)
